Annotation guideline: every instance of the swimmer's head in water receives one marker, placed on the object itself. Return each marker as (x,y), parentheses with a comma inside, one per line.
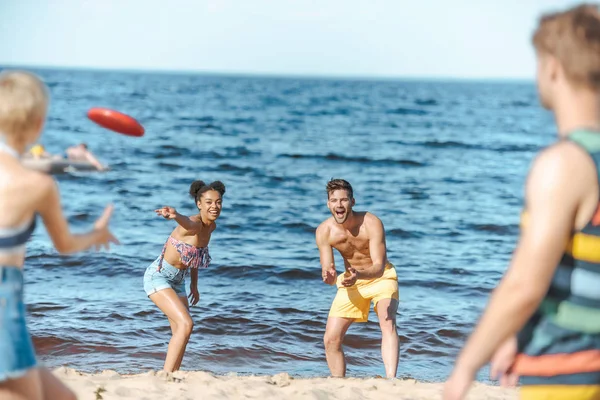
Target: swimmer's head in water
(37,150)
(23,106)
(208,198)
(340,199)
(567,44)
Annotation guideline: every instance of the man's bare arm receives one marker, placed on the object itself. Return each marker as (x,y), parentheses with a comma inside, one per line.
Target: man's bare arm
(328,271)
(377,249)
(93,160)
(552,197)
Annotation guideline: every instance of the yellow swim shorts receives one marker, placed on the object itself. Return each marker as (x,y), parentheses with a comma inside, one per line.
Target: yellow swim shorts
(558,392)
(355,301)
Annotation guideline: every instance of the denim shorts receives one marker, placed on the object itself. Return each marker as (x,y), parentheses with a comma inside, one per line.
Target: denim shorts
(168,277)
(17,355)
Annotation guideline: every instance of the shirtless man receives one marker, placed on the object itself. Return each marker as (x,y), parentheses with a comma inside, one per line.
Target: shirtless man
(360,239)
(80,152)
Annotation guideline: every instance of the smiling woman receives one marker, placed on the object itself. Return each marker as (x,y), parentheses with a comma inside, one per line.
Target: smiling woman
(186,249)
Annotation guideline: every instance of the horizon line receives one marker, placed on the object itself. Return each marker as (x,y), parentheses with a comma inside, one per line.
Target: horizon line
(278,75)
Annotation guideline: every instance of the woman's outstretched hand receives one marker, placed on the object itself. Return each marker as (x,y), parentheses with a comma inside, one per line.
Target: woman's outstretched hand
(166,212)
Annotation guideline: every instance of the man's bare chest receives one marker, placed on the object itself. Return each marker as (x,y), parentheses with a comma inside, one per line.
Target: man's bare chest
(346,243)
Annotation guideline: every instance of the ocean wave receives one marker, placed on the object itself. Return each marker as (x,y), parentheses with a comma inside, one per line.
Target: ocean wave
(337,157)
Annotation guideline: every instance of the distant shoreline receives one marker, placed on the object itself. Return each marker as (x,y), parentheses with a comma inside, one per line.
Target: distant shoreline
(272,75)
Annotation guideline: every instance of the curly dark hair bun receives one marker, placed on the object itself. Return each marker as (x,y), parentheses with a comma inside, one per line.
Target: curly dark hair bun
(197,188)
(218,186)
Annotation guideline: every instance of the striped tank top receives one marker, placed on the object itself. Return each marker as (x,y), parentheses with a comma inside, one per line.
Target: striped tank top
(560,344)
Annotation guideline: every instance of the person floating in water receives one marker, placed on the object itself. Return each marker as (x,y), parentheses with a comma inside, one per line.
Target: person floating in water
(369,277)
(542,323)
(185,250)
(81,152)
(78,153)
(24,195)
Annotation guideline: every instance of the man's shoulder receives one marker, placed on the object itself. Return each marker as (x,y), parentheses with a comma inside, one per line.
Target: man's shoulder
(564,151)
(370,218)
(371,223)
(325,226)
(561,161)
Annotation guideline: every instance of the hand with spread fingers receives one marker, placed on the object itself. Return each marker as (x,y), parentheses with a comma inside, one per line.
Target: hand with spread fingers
(105,237)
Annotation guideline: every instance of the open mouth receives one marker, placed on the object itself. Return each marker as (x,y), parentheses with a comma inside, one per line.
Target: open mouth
(214,213)
(340,213)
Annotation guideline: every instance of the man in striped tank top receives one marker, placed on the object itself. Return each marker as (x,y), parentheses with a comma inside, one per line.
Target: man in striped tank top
(542,323)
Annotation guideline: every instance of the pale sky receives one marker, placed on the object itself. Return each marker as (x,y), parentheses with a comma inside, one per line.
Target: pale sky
(365,38)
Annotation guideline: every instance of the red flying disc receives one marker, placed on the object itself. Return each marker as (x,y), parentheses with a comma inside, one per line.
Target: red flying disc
(116,121)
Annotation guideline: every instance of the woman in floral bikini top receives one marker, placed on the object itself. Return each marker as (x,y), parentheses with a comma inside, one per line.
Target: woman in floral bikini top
(186,250)
(190,255)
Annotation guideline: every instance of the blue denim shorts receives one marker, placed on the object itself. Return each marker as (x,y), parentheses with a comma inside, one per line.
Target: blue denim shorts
(167,277)
(17,355)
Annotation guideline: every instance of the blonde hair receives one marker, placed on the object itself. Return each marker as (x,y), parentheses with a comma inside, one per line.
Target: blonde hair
(23,102)
(573,37)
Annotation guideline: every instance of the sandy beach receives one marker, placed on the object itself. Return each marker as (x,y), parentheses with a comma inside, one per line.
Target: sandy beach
(181,385)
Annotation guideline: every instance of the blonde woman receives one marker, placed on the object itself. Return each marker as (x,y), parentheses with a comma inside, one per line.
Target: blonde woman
(25,194)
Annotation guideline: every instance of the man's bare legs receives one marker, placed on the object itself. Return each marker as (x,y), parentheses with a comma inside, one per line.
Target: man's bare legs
(386,312)
(334,336)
